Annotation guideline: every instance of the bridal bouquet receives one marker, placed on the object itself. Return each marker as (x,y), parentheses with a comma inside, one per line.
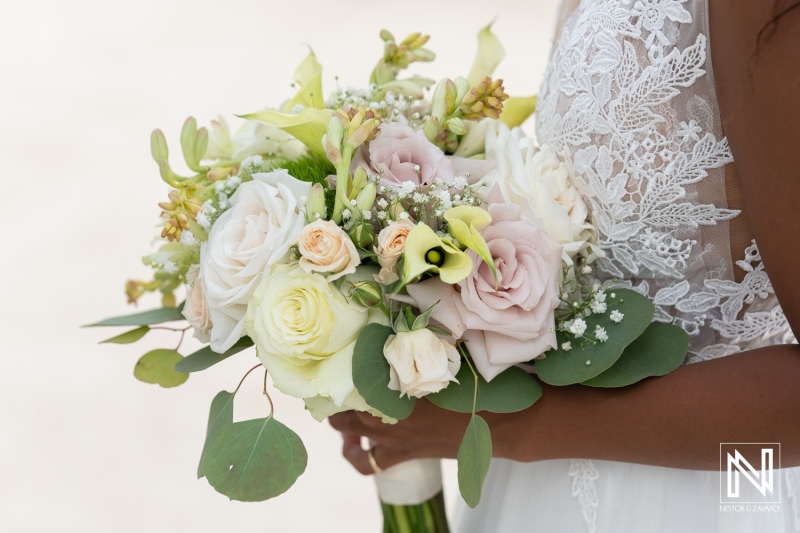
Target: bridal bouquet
(393,242)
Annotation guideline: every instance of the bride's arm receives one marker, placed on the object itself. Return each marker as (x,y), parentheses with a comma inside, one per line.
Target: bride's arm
(680,419)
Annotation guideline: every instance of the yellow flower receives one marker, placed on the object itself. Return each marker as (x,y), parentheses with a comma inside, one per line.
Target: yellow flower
(426,252)
(466,223)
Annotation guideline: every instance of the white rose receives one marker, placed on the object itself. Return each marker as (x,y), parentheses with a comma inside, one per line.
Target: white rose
(195,310)
(325,247)
(420,362)
(305,330)
(541,182)
(256,232)
(391,242)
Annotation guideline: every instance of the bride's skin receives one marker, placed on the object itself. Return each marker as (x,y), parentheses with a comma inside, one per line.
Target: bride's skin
(680,419)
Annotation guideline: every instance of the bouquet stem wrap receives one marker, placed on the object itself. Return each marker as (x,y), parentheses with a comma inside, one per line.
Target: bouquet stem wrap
(411,497)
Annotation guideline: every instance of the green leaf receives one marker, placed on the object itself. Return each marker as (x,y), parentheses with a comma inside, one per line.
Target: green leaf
(206,357)
(220,416)
(474,456)
(512,390)
(129,336)
(561,367)
(158,367)
(660,350)
(146,318)
(371,373)
(254,460)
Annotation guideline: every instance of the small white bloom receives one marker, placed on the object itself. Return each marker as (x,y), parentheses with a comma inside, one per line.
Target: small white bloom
(187,238)
(252,162)
(616,316)
(202,219)
(381,215)
(599,307)
(232,182)
(601,335)
(353,202)
(459,182)
(407,188)
(346,214)
(567,346)
(170,267)
(403,216)
(297,109)
(382,203)
(418,198)
(367,215)
(208,208)
(578,327)
(219,186)
(600,296)
(586,270)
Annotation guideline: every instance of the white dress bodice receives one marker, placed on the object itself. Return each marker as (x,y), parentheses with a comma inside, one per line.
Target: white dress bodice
(628,101)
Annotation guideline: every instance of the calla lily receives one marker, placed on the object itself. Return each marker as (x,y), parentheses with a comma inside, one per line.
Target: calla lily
(490,54)
(426,252)
(308,77)
(517,109)
(466,223)
(308,126)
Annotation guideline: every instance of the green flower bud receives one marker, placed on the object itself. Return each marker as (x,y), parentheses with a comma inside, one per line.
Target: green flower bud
(315,205)
(367,294)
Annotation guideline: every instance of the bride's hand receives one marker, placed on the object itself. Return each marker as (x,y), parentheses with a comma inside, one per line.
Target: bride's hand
(428,432)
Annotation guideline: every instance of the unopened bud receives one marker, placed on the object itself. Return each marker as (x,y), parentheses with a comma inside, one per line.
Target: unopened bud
(316,203)
(366,198)
(219,173)
(359,181)
(168,300)
(367,294)
(363,235)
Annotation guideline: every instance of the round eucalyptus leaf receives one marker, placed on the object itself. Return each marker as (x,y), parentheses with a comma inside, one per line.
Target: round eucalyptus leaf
(158,367)
(510,391)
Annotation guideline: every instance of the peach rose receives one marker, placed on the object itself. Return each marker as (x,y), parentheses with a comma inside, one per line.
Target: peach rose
(325,247)
(196,308)
(512,322)
(391,242)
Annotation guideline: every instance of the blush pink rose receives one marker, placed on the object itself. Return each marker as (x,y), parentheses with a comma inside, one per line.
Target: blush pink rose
(514,322)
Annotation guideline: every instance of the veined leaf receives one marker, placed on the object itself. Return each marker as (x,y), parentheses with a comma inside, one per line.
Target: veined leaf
(657,352)
(371,373)
(158,367)
(254,460)
(206,357)
(512,390)
(129,336)
(561,367)
(474,457)
(221,416)
(145,318)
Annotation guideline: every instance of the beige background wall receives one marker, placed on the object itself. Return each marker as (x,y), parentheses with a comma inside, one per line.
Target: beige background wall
(83,446)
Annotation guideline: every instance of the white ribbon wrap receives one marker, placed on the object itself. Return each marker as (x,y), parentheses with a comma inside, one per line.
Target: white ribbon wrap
(410,483)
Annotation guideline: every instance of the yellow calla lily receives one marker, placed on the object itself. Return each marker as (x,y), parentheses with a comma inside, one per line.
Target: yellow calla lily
(308,126)
(466,223)
(517,109)
(425,251)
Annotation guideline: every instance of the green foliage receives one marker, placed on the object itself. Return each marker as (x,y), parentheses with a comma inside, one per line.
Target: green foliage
(561,367)
(129,336)
(158,367)
(205,357)
(145,318)
(474,457)
(312,169)
(371,373)
(658,351)
(512,390)
(219,417)
(254,460)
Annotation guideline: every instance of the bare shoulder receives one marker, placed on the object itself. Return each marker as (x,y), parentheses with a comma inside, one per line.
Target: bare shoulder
(756,66)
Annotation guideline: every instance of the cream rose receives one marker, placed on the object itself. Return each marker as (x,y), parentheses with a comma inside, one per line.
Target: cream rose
(195,310)
(256,232)
(391,242)
(420,362)
(541,183)
(305,330)
(325,247)
(509,322)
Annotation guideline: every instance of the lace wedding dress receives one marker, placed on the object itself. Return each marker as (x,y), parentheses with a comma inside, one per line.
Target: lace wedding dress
(629,101)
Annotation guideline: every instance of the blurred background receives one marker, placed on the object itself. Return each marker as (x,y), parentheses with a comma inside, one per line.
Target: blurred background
(83,445)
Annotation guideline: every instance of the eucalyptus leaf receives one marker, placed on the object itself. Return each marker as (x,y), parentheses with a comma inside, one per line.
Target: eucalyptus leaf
(658,351)
(206,357)
(371,373)
(254,460)
(219,417)
(561,367)
(474,457)
(512,390)
(129,336)
(146,318)
(158,367)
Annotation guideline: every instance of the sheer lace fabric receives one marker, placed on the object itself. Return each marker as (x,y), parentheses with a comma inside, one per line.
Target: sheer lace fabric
(629,102)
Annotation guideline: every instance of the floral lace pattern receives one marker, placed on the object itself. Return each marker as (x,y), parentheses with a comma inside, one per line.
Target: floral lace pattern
(628,103)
